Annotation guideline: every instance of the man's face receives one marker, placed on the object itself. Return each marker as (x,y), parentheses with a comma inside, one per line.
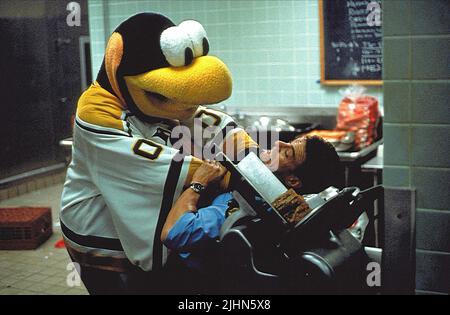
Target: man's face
(285,157)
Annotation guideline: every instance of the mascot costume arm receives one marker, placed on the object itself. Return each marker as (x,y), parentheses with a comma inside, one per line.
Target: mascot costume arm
(125,173)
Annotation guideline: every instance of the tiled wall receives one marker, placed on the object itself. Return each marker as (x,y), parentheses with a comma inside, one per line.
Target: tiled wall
(271,47)
(417,126)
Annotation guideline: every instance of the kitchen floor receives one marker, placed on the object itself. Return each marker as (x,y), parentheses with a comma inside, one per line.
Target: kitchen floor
(42,271)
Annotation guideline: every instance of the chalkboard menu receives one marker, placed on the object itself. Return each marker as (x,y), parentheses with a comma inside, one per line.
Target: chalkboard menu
(351,42)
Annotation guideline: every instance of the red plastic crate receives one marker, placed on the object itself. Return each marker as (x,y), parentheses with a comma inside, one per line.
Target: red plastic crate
(24,227)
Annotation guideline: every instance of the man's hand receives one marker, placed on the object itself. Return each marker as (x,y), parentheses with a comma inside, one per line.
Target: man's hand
(209,172)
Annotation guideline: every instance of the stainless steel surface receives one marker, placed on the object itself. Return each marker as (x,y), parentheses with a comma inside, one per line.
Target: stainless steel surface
(271,123)
(374,163)
(345,143)
(316,200)
(353,156)
(329,193)
(374,254)
(325,116)
(282,112)
(261,178)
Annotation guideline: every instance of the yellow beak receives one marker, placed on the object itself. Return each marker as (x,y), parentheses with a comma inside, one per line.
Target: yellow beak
(206,80)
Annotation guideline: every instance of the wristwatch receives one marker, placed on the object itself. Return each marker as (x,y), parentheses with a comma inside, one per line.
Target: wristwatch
(197,187)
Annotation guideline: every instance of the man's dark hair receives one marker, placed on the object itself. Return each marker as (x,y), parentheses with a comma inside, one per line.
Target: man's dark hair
(322,167)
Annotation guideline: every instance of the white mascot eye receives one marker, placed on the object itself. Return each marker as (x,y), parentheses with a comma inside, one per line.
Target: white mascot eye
(198,36)
(176,46)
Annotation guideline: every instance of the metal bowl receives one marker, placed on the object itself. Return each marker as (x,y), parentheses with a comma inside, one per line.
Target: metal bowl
(270,123)
(345,143)
(267,130)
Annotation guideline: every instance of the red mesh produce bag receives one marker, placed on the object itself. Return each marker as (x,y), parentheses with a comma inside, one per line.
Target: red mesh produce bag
(358,113)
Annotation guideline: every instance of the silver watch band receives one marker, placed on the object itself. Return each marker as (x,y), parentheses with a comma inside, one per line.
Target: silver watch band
(197,187)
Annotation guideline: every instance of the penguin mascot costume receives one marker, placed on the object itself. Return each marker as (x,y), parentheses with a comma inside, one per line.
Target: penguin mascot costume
(126,172)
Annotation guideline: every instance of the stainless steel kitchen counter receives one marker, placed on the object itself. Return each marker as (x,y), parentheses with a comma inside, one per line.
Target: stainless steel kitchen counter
(354,156)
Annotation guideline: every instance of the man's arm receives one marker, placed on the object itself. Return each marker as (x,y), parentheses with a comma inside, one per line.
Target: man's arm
(187,202)
(208,173)
(194,228)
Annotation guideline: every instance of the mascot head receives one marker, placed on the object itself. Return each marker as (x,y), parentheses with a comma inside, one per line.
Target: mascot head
(162,70)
